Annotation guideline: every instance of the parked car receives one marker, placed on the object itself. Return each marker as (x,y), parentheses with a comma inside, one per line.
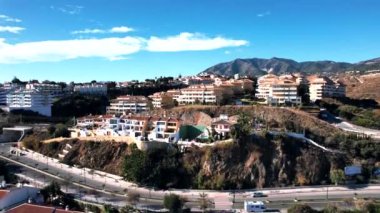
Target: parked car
(259,194)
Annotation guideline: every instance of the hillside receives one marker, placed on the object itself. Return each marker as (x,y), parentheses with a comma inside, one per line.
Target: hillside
(274,117)
(260,160)
(259,66)
(362,86)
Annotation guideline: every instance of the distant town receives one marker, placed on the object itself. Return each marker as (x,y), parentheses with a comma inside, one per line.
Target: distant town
(131,137)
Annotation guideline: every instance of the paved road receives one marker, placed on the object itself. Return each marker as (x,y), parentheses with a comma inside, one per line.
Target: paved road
(348,127)
(111,186)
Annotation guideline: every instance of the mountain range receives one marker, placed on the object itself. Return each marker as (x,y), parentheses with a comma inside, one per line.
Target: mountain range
(259,66)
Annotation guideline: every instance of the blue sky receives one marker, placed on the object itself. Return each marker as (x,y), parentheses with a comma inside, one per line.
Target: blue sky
(83,40)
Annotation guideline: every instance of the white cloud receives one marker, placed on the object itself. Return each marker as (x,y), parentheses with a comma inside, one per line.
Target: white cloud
(260,15)
(121,29)
(8,18)
(112,48)
(11,29)
(68,9)
(58,50)
(191,42)
(88,31)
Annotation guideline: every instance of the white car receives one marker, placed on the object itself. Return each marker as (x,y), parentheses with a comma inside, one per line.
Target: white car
(258,194)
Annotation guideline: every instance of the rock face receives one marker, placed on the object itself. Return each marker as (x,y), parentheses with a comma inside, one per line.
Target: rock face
(259,163)
(106,156)
(253,162)
(259,66)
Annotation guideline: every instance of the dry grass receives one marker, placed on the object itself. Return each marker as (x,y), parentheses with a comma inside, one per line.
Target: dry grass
(362,87)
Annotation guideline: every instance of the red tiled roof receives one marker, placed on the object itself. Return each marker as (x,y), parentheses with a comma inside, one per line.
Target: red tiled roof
(3,193)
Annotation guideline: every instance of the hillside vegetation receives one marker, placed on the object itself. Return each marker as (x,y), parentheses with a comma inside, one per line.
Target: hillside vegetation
(258,160)
(362,112)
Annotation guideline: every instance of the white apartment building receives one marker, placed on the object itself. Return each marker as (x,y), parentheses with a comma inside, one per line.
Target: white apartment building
(32,100)
(278,90)
(160,129)
(208,94)
(3,96)
(322,86)
(54,89)
(128,104)
(91,89)
(157,99)
(12,86)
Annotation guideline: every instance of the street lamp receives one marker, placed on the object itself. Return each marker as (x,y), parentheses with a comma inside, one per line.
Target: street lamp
(84,175)
(47,162)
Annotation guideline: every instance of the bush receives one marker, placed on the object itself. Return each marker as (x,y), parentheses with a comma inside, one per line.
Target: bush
(173,203)
(160,168)
(61,131)
(337,176)
(79,105)
(53,195)
(33,141)
(301,208)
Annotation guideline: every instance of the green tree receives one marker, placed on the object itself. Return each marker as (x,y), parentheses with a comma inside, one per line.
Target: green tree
(372,207)
(15,80)
(61,131)
(337,176)
(303,91)
(110,209)
(197,101)
(243,126)
(167,102)
(53,195)
(51,129)
(135,165)
(173,203)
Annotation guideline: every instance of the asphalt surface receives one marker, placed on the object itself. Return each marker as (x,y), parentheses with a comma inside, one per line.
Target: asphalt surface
(348,127)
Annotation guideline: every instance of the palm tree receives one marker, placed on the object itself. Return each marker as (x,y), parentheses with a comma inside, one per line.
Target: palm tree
(204,201)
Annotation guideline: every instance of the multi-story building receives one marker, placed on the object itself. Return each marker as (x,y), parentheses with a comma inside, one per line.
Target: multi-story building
(322,86)
(157,99)
(12,86)
(236,86)
(3,96)
(160,129)
(91,89)
(208,94)
(54,89)
(165,99)
(278,90)
(128,104)
(32,100)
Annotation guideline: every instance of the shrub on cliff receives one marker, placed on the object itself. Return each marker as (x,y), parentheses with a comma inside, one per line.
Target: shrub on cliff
(301,208)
